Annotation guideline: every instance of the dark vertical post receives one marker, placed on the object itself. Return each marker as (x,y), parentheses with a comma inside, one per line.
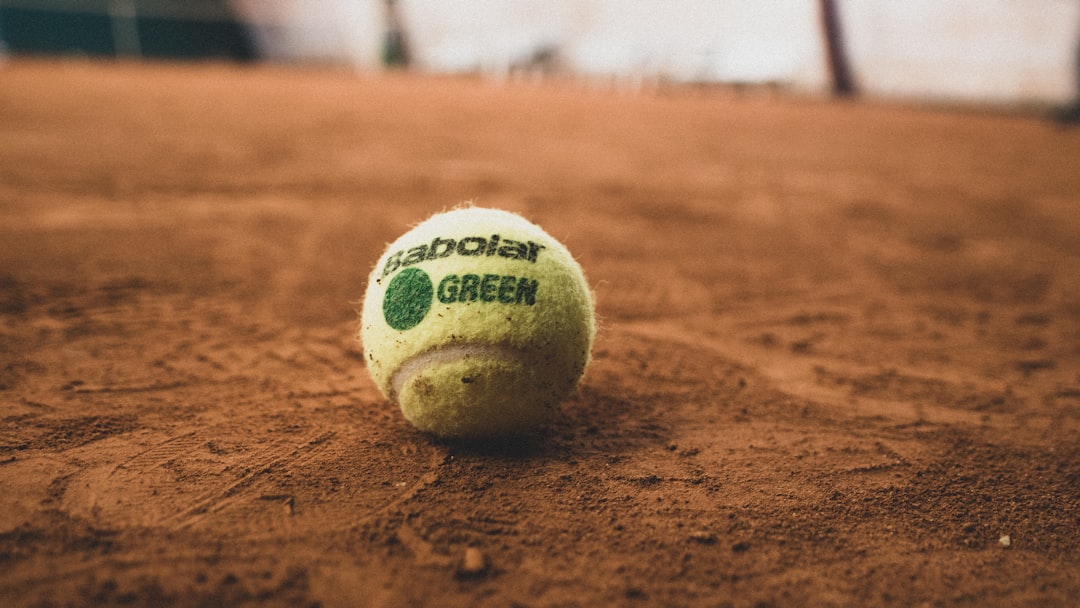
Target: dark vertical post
(840,71)
(395,45)
(1070,114)
(125,28)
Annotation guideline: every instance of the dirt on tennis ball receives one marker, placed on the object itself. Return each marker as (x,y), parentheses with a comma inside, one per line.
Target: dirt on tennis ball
(477,323)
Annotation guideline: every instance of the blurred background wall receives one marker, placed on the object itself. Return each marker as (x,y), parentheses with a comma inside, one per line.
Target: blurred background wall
(982,51)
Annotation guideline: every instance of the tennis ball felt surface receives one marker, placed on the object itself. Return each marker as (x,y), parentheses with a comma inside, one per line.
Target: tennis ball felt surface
(477,323)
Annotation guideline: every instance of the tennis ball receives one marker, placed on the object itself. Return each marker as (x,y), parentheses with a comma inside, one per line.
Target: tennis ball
(477,323)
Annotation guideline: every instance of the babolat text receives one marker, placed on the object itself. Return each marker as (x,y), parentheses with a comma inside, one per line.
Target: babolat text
(469,246)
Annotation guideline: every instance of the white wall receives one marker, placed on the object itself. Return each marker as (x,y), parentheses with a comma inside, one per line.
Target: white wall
(971,50)
(335,31)
(1000,51)
(681,40)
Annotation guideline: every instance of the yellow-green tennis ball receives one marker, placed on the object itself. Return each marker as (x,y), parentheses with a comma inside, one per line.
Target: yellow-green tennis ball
(477,323)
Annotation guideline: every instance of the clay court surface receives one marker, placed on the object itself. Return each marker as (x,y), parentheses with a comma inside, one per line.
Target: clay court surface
(839,361)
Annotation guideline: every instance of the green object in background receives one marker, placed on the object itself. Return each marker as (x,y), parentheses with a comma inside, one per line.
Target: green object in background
(172,30)
(395,51)
(39,31)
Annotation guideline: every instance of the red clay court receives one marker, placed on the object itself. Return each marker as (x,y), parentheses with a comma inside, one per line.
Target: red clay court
(839,361)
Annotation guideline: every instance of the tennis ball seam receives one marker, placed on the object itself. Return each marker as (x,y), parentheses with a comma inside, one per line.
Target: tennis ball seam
(453,353)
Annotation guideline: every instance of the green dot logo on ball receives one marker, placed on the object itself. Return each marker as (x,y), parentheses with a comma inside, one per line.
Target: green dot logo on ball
(408,299)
